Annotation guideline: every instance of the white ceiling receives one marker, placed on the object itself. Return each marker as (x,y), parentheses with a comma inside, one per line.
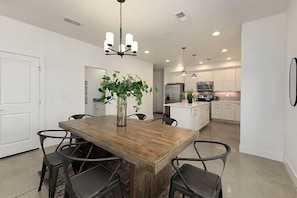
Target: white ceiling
(153,24)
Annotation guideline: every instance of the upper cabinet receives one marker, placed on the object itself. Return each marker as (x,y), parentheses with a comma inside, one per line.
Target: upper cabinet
(205,75)
(175,77)
(226,79)
(190,83)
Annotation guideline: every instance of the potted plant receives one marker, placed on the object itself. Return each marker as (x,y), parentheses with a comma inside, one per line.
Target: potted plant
(120,88)
(190,96)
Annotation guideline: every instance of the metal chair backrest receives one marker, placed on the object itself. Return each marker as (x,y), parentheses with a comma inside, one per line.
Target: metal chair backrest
(106,181)
(79,116)
(188,170)
(169,121)
(140,116)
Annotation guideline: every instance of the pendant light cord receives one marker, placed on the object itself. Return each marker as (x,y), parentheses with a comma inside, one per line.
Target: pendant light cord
(120,27)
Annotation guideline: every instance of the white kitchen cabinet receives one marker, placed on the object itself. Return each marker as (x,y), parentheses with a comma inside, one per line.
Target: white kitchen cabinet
(178,78)
(190,83)
(203,115)
(175,77)
(218,80)
(195,119)
(225,110)
(237,112)
(205,75)
(216,111)
(224,79)
(192,116)
(99,108)
(170,77)
(229,79)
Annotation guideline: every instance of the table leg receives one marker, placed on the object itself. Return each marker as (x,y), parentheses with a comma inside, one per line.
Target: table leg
(145,184)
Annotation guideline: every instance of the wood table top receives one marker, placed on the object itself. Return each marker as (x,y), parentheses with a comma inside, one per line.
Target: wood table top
(141,143)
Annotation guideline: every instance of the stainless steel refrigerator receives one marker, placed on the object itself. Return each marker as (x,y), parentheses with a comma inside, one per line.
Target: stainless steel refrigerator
(174,92)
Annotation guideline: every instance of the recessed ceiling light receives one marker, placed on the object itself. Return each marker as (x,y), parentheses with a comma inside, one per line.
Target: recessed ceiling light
(200,62)
(224,50)
(228,58)
(216,33)
(167,61)
(146,52)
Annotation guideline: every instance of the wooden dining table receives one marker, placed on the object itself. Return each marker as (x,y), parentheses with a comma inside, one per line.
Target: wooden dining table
(147,146)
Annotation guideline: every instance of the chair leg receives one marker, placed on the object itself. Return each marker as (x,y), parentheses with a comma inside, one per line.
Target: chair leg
(53,175)
(119,189)
(171,191)
(66,194)
(221,193)
(43,169)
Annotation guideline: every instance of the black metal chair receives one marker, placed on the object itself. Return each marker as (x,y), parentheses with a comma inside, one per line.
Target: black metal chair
(52,160)
(92,181)
(75,117)
(195,182)
(80,116)
(139,115)
(167,120)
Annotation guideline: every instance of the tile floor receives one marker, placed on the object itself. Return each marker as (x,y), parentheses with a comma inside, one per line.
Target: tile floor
(245,176)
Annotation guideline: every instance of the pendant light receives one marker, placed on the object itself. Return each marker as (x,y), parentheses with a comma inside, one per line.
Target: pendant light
(184,72)
(194,75)
(131,46)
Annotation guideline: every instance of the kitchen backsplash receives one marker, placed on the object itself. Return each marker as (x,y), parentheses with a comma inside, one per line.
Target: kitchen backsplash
(227,96)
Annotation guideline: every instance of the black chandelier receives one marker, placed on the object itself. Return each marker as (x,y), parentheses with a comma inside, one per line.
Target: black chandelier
(130,48)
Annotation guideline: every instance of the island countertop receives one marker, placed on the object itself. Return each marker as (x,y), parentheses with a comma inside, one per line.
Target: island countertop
(186,104)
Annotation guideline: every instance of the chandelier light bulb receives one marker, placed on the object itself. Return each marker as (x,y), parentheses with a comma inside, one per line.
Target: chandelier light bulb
(129,40)
(134,47)
(130,47)
(109,39)
(106,47)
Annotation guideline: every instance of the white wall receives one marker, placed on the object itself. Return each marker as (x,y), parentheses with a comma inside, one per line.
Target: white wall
(63,62)
(291,112)
(263,86)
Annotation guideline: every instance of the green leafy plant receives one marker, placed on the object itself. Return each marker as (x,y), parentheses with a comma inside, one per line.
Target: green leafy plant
(190,95)
(123,86)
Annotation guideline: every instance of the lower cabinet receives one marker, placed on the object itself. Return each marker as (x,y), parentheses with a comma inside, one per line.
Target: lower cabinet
(191,117)
(225,111)
(203,115)
(195,119)
(99,109)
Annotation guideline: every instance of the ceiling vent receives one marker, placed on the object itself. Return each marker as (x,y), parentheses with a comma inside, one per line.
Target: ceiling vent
(72,21)
(181,16)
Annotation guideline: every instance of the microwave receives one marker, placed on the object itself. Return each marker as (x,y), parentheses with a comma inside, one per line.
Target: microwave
(204,86)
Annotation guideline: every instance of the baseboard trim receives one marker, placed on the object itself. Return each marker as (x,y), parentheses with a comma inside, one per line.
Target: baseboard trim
(291,172)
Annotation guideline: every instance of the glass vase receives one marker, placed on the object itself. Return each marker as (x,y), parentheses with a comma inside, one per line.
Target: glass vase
(121,111)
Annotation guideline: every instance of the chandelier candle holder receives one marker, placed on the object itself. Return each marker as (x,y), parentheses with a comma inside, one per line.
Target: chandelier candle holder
(129,48)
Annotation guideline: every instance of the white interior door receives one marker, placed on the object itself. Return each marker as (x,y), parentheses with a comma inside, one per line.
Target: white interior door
(19,103)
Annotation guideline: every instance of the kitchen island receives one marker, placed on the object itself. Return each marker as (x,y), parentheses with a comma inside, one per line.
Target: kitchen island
(190,115)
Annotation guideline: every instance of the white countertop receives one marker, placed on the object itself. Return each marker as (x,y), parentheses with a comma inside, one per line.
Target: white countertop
(186,104)
(226,101)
